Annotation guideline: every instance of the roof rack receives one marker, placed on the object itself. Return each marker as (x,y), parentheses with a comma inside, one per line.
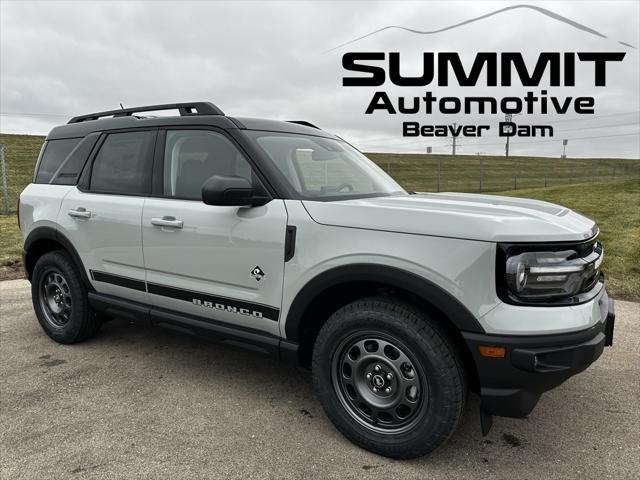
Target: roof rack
(305,123)
(193,108)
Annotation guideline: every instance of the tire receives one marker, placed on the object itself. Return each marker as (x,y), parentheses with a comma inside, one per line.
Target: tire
(60,300)
(407,414)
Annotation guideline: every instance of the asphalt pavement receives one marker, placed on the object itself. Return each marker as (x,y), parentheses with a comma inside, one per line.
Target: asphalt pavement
(137,402)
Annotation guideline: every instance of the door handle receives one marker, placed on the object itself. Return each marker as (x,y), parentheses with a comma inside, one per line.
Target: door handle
(79,212)
(167,221)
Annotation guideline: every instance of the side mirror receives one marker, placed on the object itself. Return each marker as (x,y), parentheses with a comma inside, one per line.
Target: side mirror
(231,191)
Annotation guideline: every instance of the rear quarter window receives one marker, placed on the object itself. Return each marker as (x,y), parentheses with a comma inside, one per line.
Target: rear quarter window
(54,154)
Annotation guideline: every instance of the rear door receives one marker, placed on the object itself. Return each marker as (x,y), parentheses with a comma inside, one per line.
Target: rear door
(217,263)
(102,216)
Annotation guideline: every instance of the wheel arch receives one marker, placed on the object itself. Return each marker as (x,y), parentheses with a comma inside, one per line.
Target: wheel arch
(46,239)
(334,288)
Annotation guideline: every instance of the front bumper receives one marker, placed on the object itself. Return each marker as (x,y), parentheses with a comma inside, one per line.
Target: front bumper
(511,386)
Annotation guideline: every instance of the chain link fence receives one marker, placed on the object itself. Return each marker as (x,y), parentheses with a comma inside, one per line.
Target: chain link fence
(477,173)
(18,155)
(418,172)
(5,182)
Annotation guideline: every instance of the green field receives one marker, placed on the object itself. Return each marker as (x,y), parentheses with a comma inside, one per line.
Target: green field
(607,190)
(616,208)
(21,153)
(472,173)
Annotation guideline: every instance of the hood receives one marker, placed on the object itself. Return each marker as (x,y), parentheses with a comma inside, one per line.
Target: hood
(458,215)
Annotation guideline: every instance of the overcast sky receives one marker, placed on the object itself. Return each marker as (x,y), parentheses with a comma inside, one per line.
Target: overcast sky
(265,59)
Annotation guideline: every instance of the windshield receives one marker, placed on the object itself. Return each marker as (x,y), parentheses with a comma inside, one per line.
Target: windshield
(321,168)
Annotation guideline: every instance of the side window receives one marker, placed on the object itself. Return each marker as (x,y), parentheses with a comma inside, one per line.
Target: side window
(123,164)
(54,154)
(192,156)
(69,172)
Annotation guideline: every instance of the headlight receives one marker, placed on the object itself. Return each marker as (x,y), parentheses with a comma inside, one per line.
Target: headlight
(557,273)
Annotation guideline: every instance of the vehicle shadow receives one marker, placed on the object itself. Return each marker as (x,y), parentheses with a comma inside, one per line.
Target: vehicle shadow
(564,426)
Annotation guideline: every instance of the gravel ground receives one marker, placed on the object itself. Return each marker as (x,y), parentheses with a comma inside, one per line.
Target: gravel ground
(137,402)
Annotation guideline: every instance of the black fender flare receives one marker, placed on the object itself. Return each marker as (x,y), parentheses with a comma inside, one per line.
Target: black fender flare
(450,306)
(49,233)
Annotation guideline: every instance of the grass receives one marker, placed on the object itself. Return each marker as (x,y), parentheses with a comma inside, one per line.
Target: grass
(607,190)
(11,249)
(20,153)
(472,173)
(616,208)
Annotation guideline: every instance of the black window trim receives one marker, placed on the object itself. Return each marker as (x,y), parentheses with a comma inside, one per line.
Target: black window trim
(84,182)
(43,147)
(159,153)
(288,191)
(42,153)
(91,140)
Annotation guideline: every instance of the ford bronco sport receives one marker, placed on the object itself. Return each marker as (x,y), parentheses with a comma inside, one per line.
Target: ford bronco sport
(283,238)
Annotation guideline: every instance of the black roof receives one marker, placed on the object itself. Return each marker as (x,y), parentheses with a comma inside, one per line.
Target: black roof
(195,113)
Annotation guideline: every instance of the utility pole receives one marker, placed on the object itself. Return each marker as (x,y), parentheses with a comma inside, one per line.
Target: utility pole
(507,118)
(454,139)
(453,145)
(546,167)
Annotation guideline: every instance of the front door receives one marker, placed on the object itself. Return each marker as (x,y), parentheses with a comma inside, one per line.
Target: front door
(222,264)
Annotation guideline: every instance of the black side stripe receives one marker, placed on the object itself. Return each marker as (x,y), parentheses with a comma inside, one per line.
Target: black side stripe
(119,280)
(221,303)
(212,301)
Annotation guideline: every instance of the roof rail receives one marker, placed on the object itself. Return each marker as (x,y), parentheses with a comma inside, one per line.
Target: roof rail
(193,108)
(305,123)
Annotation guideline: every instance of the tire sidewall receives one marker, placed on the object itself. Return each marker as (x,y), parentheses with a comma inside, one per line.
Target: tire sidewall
(59,261)
(439,410)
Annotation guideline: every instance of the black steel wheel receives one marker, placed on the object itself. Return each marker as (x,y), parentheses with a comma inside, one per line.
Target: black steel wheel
(389,377)
(379,383)
(60,299)
(55,298)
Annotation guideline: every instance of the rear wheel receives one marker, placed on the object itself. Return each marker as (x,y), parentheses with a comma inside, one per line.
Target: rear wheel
(60,299)
(389,378)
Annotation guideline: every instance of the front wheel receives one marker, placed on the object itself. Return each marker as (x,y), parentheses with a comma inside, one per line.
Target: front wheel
(389,378)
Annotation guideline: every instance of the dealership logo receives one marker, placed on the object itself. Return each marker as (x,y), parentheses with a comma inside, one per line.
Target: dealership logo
(543,11)
(493,69)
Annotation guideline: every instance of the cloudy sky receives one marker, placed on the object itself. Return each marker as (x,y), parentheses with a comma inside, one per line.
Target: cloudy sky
(266,59)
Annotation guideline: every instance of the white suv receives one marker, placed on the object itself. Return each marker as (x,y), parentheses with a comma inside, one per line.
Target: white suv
(284,239)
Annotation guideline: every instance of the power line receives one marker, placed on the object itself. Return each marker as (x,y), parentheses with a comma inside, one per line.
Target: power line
(557,131)
(551,140)
(637,112)
(33,114)
(599,126)
(559,139)
(568,138)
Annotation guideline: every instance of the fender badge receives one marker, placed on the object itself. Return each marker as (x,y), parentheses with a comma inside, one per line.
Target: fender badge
(257,273)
